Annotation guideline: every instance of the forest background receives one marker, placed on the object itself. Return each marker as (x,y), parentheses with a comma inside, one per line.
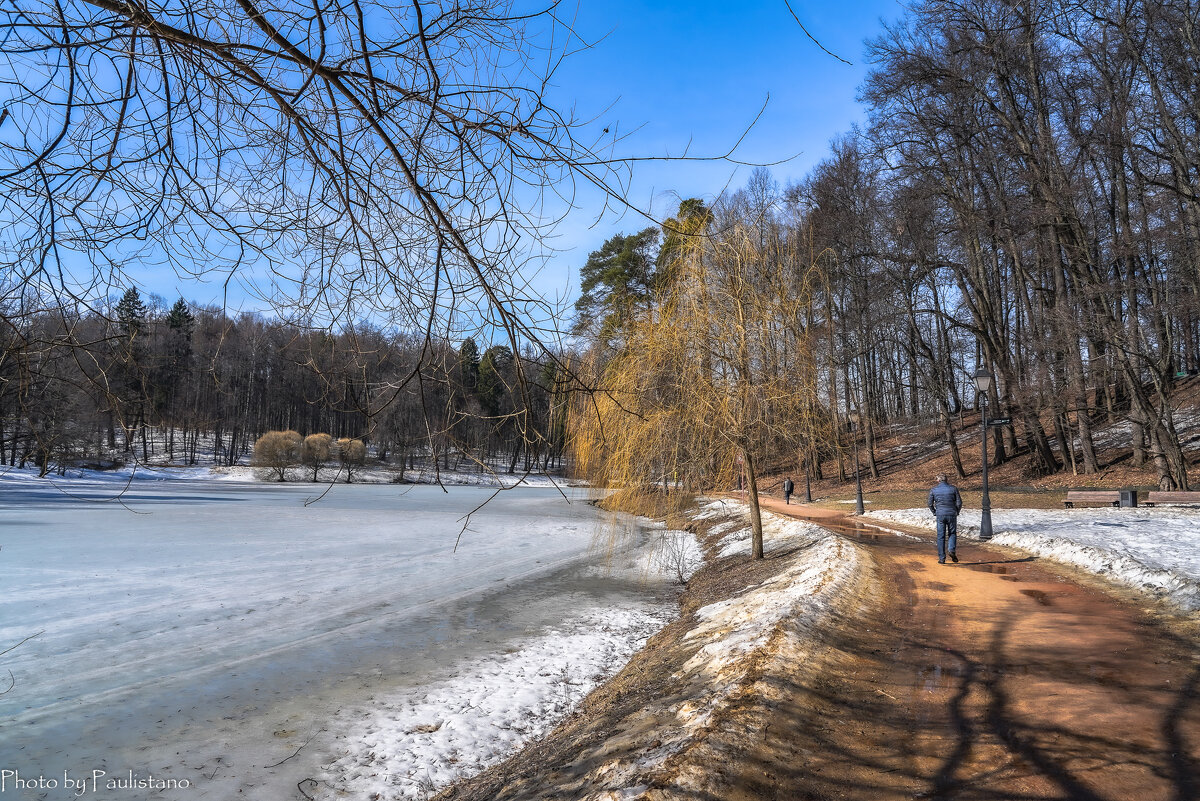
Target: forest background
(1025,199)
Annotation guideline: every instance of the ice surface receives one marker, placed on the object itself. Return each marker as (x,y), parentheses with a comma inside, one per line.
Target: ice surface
(411,743)
(205,631)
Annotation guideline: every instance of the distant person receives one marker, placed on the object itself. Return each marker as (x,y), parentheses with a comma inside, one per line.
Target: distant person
(945,503)
(788,489)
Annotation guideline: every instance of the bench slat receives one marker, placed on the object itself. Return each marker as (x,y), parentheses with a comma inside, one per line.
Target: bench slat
(1159,496)
(1112,497)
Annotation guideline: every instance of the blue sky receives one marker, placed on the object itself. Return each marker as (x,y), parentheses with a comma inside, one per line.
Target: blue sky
(699,72)
(690,76)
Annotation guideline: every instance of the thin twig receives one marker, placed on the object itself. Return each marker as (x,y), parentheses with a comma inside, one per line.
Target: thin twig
(298,750)
(22,642)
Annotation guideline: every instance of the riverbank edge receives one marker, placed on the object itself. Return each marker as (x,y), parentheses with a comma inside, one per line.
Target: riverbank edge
(672,724)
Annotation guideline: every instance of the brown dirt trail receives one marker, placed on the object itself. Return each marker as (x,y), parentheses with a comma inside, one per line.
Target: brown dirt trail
(995,678)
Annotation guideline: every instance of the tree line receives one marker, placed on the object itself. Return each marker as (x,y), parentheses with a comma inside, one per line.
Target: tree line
(190,385)
(1033,161)
(1023,201)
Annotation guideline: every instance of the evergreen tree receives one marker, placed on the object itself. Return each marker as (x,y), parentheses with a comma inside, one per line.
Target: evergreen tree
(468,363)
(131,313)
(492,383)
(615,283)
(181,320)
(174,366)
(130,376)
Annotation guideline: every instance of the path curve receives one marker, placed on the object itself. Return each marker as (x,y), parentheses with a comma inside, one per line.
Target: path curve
(996,678)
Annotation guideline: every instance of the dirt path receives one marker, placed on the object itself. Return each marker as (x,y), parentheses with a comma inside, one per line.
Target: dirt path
(994,678)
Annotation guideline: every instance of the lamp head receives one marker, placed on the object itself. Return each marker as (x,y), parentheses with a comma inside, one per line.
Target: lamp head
(983,380)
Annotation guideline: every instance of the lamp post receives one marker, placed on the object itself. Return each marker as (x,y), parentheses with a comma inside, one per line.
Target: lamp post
(983,383)
(858,499)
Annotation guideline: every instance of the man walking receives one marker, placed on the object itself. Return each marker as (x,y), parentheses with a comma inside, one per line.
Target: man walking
(945,503)
(788,488)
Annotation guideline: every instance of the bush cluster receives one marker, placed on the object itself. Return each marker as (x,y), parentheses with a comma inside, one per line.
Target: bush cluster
(277,452)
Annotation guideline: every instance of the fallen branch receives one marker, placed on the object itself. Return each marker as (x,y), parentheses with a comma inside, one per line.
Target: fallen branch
(285,759)
(22,642)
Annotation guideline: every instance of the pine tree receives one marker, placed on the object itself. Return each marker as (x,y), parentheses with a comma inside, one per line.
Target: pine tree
(616,284)
(492,384)
(180,319)
(131,313)
(468,362)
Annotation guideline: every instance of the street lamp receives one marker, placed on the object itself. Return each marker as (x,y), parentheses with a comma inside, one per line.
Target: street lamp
(858,501)
(983,383)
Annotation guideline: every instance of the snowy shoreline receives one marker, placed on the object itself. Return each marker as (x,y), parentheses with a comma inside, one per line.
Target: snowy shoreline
(210,631)
(137,473)
(373,733)
(734,648)
(1155,551)
(412,744)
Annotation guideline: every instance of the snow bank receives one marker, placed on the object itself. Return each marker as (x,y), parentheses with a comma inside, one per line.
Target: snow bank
(373,474)
(1156,550)
(737,639)
(410,745)
(733,629)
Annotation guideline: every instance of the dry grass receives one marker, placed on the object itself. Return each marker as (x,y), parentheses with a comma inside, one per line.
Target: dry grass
(909,457)
(627,713)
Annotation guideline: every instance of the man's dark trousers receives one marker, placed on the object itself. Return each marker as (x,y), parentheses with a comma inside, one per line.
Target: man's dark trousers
(947,535)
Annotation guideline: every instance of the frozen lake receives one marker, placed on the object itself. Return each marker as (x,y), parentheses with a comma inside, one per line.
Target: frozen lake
(203,631)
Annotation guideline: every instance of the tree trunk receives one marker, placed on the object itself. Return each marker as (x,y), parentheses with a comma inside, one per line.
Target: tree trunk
(1137,441)
(870,429)
(1066,444)
(952,441)
(756,529)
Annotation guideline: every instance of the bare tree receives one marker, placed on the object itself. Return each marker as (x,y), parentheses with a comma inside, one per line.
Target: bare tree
(357,160)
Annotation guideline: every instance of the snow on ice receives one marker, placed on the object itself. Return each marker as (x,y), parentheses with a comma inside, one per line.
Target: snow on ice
(408,745)
(206,630)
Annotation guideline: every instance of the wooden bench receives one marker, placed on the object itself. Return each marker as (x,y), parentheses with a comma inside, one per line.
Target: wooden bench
(1180,498)
(1110,497)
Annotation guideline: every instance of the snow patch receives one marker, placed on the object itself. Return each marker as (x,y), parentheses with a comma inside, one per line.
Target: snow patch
(1156,551)
(735,628)
(732,634)
(409,745)
(778,532)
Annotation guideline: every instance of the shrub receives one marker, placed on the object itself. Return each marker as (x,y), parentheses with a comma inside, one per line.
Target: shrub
(276,451)
(316,452)
(352,453)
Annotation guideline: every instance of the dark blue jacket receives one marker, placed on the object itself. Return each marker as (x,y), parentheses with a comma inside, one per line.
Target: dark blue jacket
(944,500)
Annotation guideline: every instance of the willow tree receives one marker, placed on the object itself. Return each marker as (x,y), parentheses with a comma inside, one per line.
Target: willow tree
(708,377)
